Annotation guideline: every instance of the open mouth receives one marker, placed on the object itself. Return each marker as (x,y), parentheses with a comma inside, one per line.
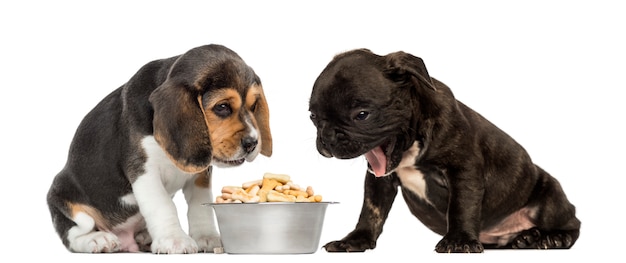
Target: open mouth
(377,158)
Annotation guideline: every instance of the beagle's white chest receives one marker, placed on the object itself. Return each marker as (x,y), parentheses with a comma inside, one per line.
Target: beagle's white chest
(158,164)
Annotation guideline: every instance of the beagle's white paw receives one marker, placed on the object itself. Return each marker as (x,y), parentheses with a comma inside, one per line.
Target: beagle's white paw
(96,242)
(177,244)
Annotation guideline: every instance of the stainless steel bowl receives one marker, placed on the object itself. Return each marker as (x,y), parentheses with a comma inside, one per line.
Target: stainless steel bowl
(270,228)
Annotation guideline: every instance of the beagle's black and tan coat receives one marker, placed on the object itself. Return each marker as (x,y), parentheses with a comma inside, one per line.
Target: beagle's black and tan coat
(159,133)
(463,177)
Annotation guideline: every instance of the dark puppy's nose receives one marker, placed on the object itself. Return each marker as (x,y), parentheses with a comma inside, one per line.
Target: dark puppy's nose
(249,143)
(329,136)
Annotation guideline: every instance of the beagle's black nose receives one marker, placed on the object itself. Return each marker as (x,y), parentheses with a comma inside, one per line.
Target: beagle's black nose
(249,143)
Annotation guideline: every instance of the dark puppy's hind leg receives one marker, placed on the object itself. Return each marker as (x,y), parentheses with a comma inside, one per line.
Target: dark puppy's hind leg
(555,220)
(536,238)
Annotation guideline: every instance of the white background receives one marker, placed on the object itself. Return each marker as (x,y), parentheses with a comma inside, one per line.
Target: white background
(549,73)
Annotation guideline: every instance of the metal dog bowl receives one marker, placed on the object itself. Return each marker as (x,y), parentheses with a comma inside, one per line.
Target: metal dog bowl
(270,227)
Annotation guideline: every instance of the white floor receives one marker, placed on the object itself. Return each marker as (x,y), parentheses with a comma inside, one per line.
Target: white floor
(551,74)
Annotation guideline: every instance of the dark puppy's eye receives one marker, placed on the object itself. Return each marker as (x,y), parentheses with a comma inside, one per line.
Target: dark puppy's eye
(222,110)
(362,115)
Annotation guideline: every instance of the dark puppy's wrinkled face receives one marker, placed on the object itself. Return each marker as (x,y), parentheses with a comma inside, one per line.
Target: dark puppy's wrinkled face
(359,108)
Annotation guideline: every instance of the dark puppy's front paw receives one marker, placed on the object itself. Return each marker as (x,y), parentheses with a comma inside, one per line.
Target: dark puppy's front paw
(536,239)
(451,244)
(350,245)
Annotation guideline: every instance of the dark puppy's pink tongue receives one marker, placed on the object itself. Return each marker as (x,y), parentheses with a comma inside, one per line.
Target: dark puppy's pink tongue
(377,160)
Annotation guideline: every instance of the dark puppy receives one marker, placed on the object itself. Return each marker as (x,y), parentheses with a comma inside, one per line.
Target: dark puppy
(160,132)
(460,175)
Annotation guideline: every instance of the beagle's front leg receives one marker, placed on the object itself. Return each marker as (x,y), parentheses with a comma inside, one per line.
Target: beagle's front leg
(201,219)
(159,211)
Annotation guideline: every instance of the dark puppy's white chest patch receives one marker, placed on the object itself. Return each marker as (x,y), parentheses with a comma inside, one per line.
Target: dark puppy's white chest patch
(409,175)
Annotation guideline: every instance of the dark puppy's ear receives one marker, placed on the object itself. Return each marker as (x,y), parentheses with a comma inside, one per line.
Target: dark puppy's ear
(180,128)
(399,64)
(262,116)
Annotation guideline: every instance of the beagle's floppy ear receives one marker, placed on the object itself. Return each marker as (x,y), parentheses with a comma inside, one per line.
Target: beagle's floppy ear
(262,117)
(179,127)
(398,64)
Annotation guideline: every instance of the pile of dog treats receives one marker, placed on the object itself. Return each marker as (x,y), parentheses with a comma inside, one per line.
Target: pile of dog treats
(272,188)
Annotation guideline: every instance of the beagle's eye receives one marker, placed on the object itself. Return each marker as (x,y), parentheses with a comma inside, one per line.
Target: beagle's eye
(253,107)
(362,115)
(222,110)
(312,116)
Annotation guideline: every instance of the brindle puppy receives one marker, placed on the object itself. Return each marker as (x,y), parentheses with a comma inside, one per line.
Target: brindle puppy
(463,177)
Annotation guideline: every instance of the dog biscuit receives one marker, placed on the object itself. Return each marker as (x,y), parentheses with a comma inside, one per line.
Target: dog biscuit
(296,193)
(315,198)
(282,178)
(230,189)
(244,196)
(290,185)
(270,184)
(275,196)
(253,190)
(252,183)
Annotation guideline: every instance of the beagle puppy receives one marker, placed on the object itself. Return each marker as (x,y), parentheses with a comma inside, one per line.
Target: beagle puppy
(159,133)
